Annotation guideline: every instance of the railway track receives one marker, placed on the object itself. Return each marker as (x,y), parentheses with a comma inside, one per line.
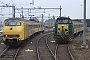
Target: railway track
(71,56)
(43,52)
(55,50)
(9,52)
(1,38)
(63,52)
(53,54)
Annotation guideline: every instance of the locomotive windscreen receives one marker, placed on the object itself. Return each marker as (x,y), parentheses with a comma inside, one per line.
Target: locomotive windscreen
(12,23)
(63,20)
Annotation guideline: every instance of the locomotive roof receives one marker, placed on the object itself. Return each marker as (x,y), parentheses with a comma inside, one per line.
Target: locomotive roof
(63,18)
(15,19)
(21,19)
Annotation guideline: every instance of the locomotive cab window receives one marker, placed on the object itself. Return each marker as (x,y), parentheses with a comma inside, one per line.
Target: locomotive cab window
(12,23)
(63,20)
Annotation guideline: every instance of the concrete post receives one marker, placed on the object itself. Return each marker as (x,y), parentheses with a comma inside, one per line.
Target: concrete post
(84,45)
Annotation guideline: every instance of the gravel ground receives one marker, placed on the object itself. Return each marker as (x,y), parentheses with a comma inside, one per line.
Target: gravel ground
(78,52)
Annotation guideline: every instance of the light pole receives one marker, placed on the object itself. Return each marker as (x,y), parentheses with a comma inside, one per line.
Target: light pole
(81,11)
(33,2)
(9,11)
(60,10)
(84,45)
(1,13)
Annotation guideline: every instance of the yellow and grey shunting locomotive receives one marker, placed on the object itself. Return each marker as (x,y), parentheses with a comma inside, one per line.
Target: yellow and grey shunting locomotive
(65,29)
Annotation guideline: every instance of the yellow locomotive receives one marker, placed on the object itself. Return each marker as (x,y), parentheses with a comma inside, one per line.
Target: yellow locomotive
(17,30)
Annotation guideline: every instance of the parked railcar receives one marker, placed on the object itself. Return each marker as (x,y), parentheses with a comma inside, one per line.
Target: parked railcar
(17,30)
(65,29)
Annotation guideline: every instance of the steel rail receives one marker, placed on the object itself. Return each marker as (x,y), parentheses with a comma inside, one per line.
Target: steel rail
(16,53)
(37,47)
(4,51)
(53,53)
(56,52)
(49,47)
(71,56)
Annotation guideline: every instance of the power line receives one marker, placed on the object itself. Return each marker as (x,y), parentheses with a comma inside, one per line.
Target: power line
(24,4)
(2,2)
(12,2)
(36,8)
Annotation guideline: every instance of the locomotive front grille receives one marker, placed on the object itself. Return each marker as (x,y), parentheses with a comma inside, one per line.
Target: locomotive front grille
(11,36)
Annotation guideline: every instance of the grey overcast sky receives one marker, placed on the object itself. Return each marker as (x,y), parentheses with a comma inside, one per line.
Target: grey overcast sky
(70,8)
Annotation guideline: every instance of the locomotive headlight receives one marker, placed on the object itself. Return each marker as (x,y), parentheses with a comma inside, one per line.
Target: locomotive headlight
(19,39)
(66,32)
(62,25)
(6,35)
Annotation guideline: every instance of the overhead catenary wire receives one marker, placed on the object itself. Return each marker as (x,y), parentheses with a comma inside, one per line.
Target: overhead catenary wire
(13,3)
(2,2)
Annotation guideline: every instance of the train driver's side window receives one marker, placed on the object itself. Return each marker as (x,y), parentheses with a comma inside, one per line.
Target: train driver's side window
(18,23)
(6,23)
